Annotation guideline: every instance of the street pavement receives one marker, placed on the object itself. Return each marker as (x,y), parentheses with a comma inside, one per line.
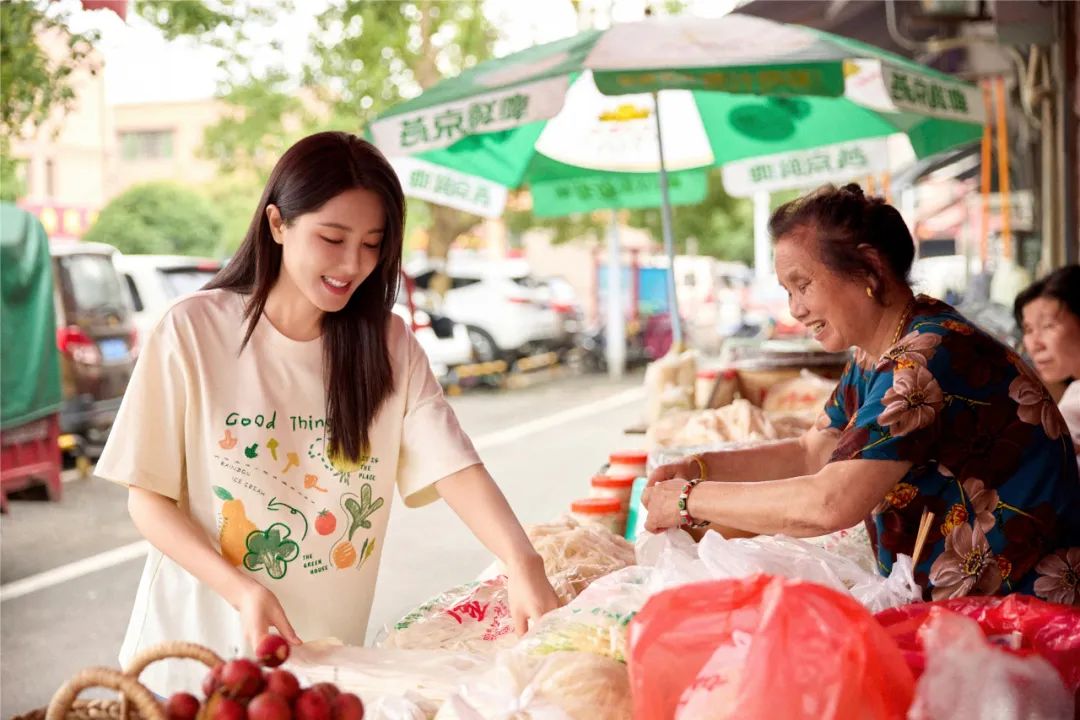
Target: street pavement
(68,570)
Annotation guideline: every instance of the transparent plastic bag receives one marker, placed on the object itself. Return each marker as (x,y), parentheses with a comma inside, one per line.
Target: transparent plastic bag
(852,543)
(560,686)
(1021,624)
(408,706)
(968,678)
(474,617)
(406,684)
(576,555)
(737,422)
(596,620)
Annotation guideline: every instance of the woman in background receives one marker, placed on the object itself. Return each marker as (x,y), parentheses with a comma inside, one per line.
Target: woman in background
(1048,311)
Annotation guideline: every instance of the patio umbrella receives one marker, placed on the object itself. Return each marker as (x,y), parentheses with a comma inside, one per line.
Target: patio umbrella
(689,93)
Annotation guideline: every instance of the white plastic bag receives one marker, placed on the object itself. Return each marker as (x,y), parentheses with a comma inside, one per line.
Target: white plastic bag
(967,678)
(560,686)
(396,680)
(677,558)
(408,706)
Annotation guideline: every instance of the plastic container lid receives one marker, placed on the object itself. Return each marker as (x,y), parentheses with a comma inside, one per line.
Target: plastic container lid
(629,457)
(613,481)
(596,506)
(730,374)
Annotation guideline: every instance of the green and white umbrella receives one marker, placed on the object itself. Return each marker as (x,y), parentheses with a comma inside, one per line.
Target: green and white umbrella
(602,119)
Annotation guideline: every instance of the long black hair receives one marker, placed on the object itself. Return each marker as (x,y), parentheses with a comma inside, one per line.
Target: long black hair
(356,360)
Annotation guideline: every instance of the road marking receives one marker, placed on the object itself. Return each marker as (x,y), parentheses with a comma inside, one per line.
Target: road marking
(510,434)
(120,555)
(73,570)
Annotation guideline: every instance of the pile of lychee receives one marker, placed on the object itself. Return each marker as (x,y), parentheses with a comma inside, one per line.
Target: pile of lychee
(241,690)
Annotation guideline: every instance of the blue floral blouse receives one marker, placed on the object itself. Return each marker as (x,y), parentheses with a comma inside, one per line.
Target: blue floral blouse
(991,458)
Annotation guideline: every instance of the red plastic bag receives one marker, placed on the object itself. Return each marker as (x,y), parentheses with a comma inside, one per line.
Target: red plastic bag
(1020,623)
(763,647)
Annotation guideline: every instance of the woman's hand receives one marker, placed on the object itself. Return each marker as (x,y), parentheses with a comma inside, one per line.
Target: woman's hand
(662,503)
(685,469)
(531,595)
(259,611)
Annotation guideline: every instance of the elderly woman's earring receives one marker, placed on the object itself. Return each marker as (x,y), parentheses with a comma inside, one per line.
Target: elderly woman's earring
(869,292)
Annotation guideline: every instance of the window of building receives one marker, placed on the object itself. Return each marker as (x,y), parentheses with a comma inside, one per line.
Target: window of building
(146,144)
(50,178)
(23,176)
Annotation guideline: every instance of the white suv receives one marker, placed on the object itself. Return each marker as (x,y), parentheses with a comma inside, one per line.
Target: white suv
(445,342)
(153,282)
(508,312)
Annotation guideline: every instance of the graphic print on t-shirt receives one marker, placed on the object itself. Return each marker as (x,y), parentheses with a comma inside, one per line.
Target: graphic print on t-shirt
(278,509)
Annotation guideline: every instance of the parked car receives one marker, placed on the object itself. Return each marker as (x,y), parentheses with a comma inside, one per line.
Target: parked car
(445,342)
(504,308)
(563,301)
(97,339)
(153,282)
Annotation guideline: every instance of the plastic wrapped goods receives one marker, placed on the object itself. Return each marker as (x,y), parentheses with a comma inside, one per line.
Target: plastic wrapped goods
(596,620)
(738,422)
(469,618)
(575,555)
(1021,624)
(475,617)
(560,686)
(394,684)
(968,678)
(806,394)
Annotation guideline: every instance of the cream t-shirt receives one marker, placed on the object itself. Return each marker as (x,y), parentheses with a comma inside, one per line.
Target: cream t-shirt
(238,439)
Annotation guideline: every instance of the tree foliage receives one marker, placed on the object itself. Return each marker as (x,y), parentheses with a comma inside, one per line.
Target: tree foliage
(34,82)
(39,54)
(722,225)
(159,218)
(367,57)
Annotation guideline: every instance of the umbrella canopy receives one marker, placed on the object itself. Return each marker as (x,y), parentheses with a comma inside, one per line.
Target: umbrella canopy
(575,120)
(571,119)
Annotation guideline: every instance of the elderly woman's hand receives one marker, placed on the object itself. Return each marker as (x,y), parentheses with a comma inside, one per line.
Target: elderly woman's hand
(685,469)
(662,503)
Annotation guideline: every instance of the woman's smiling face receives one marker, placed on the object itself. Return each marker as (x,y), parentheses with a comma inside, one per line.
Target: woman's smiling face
(835,308)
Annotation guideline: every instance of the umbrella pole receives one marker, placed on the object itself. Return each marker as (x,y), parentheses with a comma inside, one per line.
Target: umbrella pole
(615,348)
(669,243)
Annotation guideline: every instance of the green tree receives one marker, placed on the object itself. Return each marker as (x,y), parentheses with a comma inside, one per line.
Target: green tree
(370,56)
(159,218)
(39,54)
(33,82)
(722,225)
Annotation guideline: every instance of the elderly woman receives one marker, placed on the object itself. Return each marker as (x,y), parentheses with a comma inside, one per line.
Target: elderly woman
(1048,311)
(931,415)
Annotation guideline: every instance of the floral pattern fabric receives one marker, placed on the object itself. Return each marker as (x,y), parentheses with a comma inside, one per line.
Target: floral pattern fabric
(991,458)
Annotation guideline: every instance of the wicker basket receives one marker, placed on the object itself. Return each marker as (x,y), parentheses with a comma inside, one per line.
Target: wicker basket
(135,701)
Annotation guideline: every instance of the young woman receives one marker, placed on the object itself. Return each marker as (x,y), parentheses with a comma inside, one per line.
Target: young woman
(270,417)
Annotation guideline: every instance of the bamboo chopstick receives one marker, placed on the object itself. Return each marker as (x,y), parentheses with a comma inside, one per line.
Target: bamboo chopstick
(925,523)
